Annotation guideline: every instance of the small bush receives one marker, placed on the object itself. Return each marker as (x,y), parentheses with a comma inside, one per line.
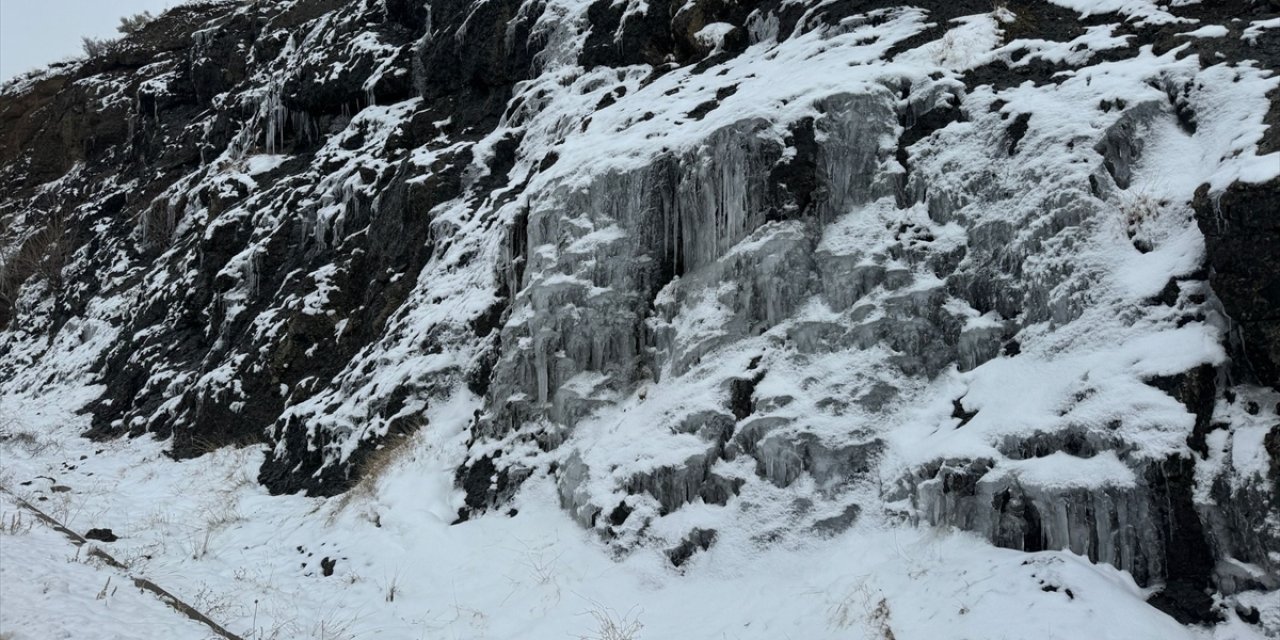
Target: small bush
(43,254)
(130,25)
(99,47)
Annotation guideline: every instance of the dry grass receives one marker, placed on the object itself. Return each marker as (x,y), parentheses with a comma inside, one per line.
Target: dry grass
(610,625)
(864,608)
(217,604)
(15,524)
(1141,212)
(879,620)
(371,469)
(1139,207)
(31,443)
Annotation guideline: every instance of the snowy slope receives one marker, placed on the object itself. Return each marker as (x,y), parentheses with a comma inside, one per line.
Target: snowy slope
(252,561)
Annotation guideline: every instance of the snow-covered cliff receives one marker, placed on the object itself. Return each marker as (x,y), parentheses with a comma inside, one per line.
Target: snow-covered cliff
(709,273)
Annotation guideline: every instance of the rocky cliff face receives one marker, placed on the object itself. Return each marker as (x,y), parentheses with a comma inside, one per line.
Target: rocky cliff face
(1000,267)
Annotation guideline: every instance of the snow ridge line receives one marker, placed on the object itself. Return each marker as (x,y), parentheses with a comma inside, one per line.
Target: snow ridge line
(142,583)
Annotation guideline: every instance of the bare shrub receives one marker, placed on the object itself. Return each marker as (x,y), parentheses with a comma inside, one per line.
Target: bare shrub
(130,25)
(96,48)
(43,254)
(216,603)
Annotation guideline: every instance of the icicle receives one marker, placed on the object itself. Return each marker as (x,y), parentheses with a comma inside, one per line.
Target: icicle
(207,126)
(251,274)
(271,111)
(171,220)
(1216,200)
(317,229)
(540,364)
(145,226)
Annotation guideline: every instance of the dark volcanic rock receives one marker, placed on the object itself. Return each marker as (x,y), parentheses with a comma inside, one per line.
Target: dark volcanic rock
(1242,236)
(103,535)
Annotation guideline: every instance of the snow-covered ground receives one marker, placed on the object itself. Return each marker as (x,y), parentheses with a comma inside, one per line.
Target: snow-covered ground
(204,530)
